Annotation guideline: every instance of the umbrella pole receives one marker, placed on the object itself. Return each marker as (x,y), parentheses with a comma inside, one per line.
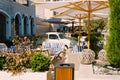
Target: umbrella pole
(72,27)
(89,12)
(79,30)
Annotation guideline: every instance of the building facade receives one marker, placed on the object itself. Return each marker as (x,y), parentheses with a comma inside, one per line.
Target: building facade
(41,14)
(17,17)
(45,22)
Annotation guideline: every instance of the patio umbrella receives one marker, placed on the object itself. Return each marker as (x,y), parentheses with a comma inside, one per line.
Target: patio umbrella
(80,9)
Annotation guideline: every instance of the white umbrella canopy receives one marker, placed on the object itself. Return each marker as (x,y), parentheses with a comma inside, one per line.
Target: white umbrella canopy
(96,9)
(73,8)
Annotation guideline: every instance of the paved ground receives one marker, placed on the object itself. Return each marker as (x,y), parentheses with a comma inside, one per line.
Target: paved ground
(82,72)
(23,76)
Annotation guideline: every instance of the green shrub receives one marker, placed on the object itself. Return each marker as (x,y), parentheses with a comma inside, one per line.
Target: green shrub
(95,37)
(2,62)
(14,63)
(113,42)
(17,63)
(39,62)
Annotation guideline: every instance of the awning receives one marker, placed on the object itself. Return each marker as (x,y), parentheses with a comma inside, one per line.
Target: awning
(56,21)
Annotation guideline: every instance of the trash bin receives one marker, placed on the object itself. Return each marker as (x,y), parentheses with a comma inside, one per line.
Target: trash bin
(64,71)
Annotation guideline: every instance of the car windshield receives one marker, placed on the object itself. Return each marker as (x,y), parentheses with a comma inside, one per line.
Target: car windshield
(62,36)
(41,38)
(53,36)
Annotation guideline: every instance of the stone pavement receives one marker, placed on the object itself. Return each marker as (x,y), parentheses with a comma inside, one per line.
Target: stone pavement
(84,73)
(23,76)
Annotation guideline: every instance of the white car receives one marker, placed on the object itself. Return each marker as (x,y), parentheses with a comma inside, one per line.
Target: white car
(3,48)
(56,37)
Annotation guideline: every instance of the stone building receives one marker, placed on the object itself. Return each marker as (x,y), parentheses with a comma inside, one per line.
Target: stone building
(17,17)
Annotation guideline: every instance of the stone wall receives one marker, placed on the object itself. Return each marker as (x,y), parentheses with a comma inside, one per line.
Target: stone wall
(12,7)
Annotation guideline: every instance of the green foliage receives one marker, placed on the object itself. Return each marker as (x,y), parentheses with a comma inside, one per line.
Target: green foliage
(2,62)
(39,62)
(74,38)
(113,41)
(14,63)
(17,63)
(96,24)
(94,39)
(96,36)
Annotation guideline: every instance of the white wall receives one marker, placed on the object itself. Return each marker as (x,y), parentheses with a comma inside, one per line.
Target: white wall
(42,12)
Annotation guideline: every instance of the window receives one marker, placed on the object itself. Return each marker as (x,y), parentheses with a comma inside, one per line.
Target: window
(55,13)
(23,2)
(62,36)
(53,36)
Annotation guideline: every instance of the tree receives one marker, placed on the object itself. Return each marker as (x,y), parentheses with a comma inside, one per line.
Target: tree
(96,24)
(113,41)
(96,36)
